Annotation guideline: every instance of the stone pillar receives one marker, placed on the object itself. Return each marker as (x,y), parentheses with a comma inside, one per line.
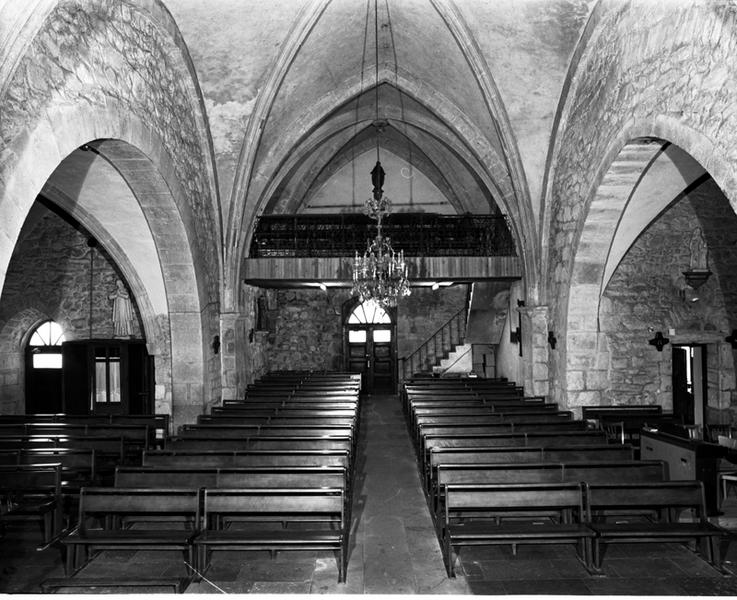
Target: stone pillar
(535,348)
(188,401)
(231,326)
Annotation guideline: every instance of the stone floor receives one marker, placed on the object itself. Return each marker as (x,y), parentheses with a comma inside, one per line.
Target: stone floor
(393,549)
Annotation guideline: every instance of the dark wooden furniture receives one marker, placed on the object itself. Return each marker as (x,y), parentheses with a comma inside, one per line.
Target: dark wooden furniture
(555,516)
(590,472)
(32,493)
(110,506)
(257,509)
(652,512)
(687,459)
(248,458)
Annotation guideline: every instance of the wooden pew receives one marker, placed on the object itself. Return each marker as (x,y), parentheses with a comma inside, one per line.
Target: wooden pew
(548,439)
(624,422)
(159,424)
(280,419)
(109,450)
(225,430)
(338,408)
(263,442)
(256,509)
(109,506)
(526,454)
(465,426)
(280,477)
(652,511)
(248,458)
(563,501)
(625,472)
(32,493)
(231,477)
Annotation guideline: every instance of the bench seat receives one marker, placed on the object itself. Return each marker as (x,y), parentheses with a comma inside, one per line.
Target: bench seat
(246,519)
(539,513)
(113,507)
(651,512)
(178,584)
(509,531)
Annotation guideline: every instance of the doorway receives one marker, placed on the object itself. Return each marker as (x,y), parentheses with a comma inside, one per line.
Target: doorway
(370,346)
(689,383)
(44,369)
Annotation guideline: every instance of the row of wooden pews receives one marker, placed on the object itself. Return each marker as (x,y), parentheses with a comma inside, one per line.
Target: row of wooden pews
(46,459)
(499,467)
(273,471)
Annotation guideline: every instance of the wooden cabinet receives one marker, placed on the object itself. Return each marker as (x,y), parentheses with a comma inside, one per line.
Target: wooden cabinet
(686,459)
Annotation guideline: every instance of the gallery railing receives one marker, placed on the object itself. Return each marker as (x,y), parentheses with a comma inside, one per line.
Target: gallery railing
(418,234)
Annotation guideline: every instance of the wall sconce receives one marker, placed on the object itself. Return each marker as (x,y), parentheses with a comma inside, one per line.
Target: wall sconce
(732,339)
(552,340)
(658,341)
(514,336)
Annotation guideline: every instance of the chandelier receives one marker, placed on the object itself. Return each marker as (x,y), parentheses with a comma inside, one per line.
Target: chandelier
(380,274)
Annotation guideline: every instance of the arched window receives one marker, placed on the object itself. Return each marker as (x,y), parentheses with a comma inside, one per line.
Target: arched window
(368,312)
(45,346)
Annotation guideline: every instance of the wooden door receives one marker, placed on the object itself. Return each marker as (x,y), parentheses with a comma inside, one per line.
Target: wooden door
(43,380)
(370,348)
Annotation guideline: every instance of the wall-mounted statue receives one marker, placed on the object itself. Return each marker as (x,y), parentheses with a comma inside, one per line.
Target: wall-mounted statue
(122,310)
(699,251)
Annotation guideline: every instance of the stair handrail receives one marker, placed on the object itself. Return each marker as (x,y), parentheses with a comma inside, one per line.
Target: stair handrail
(448,325)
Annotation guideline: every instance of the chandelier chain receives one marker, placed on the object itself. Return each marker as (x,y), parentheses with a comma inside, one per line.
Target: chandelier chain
(380,274)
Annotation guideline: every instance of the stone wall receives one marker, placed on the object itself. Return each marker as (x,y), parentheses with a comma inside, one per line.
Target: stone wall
(307,330)
(304,328)
(425,311)
(49,278)
(647,293)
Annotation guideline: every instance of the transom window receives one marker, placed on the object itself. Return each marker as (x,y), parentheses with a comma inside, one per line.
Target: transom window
(45,346)
(368,312)
(47,334)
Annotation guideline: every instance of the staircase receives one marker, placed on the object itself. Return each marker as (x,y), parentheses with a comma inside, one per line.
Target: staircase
(438,347)
(458,361)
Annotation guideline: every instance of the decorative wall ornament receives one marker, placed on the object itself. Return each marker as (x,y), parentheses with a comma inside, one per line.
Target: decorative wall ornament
(658,341)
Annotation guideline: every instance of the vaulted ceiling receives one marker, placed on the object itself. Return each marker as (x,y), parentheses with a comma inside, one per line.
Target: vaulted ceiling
(467,88)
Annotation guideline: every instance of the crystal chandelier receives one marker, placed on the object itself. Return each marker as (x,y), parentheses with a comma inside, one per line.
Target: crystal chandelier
(380,274)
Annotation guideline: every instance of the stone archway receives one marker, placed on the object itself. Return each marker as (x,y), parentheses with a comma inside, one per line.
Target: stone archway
(641,92)
(149,120)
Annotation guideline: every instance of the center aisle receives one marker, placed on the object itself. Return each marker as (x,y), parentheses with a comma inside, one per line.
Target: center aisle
(394,547)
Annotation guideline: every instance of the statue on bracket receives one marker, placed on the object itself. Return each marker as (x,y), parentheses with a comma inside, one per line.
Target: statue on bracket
(699,252)
(122,311)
